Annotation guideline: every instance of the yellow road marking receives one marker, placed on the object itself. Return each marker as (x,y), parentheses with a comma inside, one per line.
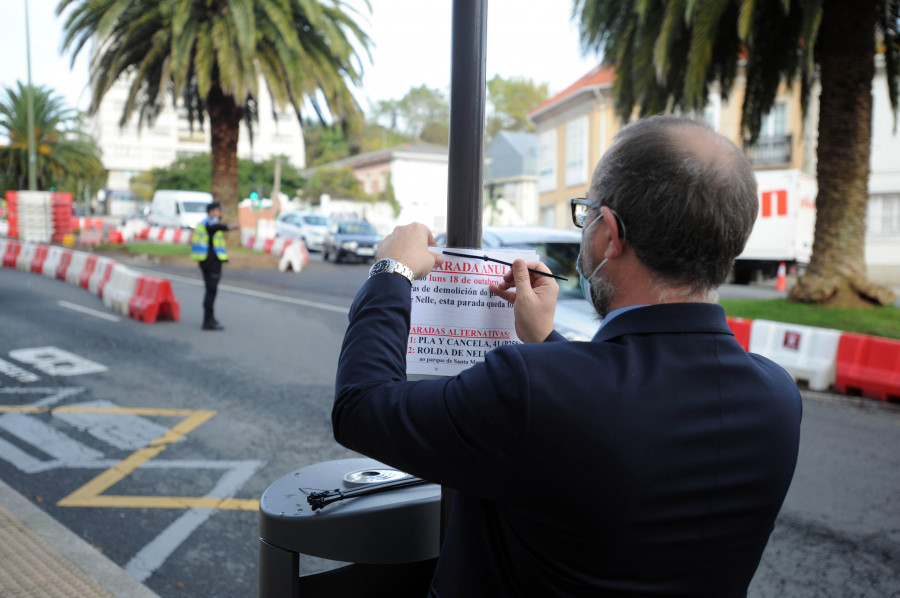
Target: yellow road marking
(21,409)
(91,493)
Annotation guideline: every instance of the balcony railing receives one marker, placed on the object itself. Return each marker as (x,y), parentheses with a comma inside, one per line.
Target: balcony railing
(770,151)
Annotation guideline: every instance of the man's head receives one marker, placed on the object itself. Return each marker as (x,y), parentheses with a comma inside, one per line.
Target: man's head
(687,196)
(214,209)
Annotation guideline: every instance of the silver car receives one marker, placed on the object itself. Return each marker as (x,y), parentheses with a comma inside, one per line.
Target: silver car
(575,318)
(310,228)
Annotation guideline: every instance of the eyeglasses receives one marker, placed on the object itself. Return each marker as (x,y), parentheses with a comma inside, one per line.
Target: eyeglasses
(580,207)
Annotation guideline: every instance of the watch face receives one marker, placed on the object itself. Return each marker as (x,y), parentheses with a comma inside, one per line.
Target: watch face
(381,266)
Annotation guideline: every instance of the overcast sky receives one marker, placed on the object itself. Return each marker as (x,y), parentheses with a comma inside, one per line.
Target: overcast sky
(534,39)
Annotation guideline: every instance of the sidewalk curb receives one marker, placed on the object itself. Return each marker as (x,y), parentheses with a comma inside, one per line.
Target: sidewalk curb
(110,576)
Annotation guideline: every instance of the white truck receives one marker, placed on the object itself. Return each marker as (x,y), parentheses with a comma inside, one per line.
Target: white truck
(784,228)
(179,209)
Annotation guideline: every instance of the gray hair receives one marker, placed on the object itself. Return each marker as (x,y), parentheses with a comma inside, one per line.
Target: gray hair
(687,196)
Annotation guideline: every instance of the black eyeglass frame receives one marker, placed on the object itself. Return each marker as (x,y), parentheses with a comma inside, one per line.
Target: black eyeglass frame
(579,215)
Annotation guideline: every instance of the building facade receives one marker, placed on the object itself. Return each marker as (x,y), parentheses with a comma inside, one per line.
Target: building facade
(127,151)
(417,174)
(577,125)
(511,190)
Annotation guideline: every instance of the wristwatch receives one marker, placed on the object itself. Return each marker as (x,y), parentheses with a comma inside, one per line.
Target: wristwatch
(389,266)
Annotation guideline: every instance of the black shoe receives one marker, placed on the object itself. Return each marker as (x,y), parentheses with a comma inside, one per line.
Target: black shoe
(212,326)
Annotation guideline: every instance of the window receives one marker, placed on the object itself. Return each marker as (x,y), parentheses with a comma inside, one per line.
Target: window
(548,216)
(547,161)
(576,151)
(774,124)
(712,113)
(884,214)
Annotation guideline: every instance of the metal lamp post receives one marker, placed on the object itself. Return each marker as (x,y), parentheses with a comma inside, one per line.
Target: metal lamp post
(32,155)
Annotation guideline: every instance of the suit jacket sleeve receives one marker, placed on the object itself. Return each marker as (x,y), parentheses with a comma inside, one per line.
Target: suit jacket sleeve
(445,430)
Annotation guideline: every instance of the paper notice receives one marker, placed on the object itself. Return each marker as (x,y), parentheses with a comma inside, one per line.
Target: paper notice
(455,319)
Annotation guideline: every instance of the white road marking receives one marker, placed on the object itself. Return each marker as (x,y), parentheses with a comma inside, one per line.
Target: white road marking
(56,362)
(63,450)
(121,430)
(258,294)
(54,395)
(151,557)
(89,311)
(17,373)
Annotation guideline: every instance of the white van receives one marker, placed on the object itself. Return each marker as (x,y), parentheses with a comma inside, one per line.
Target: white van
(179,209)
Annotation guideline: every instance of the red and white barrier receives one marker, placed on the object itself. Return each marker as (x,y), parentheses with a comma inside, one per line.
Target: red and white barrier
(40,256)
(292,253)
(100,276)
(11,254)
(51,262)
(76,267)
(26,256)
(807,353)
(868,366)
(120,288)
(153,298)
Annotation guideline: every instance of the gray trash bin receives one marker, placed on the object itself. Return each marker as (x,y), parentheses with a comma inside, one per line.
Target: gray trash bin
(390,540)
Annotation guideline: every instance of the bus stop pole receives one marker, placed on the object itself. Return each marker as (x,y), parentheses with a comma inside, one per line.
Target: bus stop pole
(465,182)
(465,169)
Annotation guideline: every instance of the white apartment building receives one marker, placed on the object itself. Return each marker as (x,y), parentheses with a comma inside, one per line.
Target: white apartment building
(128,151)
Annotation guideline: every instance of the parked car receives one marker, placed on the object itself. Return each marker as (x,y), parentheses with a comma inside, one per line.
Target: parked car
(311,228)
(575,317)
(350,238)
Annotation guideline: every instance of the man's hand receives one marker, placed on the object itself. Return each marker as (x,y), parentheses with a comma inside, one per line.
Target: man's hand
(534,300)
(409,246)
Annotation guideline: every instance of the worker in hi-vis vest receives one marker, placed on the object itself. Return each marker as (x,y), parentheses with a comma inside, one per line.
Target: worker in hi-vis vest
(208,248)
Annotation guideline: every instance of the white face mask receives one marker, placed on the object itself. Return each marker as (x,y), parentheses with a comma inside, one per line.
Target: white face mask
(586,281)
(601,303)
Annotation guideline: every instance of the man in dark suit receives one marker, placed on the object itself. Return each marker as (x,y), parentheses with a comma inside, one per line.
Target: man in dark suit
(651,461)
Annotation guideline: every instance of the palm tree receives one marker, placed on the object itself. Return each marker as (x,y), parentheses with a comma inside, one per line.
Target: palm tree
(65,154)
(668,54)
(212,54)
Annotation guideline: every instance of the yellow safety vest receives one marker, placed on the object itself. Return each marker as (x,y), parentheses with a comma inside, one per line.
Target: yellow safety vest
(200,244)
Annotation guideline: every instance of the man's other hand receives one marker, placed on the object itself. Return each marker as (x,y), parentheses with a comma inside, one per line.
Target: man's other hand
(409,246)
(534,300)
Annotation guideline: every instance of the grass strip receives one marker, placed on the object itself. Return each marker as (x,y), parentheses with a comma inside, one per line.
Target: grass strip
(876,320)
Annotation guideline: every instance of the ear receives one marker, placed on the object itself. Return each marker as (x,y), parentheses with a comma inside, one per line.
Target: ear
(615,245)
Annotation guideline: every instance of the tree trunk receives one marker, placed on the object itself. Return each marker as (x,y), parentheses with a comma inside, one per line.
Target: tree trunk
(837,269)
(224,121)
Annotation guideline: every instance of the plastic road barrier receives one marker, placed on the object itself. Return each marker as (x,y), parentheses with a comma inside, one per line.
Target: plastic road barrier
(869,366)
(90,237)
(26,256)
(741,328)
(51,263)
(118,291)
(12,253)
(100,279)
(291,258)
(76,267)
(89,266)
(62,267)
(153,298)
(807,353)
(40,256)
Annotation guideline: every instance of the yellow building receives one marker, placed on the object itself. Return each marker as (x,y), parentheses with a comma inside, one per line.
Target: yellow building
(576,126)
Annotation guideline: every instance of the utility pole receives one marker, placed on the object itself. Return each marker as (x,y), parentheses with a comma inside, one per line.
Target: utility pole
(32,154)
(465,184)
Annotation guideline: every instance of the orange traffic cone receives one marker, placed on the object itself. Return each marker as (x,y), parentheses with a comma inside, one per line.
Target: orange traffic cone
(781,283)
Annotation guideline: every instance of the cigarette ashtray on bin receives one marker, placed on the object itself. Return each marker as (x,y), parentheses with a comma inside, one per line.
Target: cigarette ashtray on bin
(389,540)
